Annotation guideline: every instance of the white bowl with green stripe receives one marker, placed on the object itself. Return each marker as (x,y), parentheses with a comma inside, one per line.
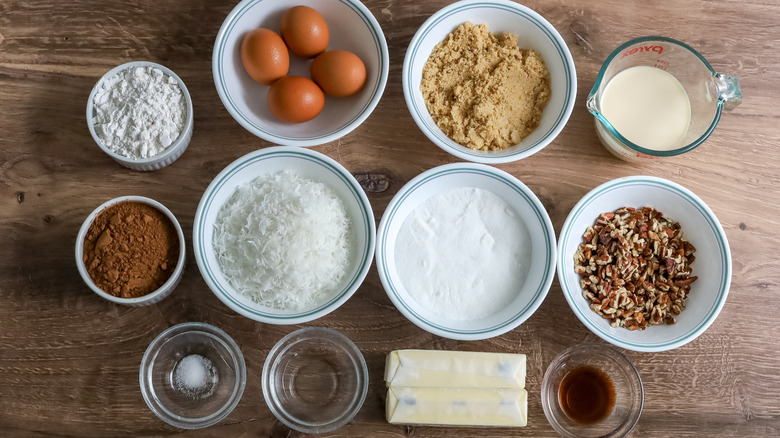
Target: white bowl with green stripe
(534,32)
(700,227)
(308,164)
(525,205)
(352,27)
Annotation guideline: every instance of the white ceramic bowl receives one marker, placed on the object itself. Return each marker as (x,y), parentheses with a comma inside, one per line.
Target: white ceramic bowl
(352,27)
(514,193)
(309,164)
(700,227)
(172,152)
(150,298)
(534,32)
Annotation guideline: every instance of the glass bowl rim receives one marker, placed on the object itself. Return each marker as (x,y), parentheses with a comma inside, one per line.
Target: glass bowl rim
(149,395)
(326,335)
(593,350)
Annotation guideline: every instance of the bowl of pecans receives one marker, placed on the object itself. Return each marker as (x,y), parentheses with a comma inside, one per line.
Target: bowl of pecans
(644,263)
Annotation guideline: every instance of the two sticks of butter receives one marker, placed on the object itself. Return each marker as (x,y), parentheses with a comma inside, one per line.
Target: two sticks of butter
(456,388)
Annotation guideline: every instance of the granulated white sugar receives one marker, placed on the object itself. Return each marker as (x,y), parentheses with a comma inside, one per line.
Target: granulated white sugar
(463,254)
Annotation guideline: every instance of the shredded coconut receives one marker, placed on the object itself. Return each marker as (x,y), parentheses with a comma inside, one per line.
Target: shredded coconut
(284,241)
(139,112)
(463,254)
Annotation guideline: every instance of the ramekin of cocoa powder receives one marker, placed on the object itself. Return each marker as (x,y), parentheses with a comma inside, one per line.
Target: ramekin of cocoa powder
(130,250)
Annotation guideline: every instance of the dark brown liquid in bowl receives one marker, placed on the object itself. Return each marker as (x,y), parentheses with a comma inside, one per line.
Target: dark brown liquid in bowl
(586,395)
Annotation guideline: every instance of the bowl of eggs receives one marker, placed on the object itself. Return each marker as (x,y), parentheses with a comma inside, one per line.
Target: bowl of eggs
(300,75)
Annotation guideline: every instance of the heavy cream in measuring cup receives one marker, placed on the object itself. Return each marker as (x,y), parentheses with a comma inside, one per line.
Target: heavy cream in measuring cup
(648,106)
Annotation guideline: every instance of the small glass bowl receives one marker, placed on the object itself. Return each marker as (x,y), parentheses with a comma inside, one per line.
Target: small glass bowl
(315,380)
(185,409)
(629,392)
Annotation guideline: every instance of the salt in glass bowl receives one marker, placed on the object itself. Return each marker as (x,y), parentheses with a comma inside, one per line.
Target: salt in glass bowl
(173,151)
(315,380)
(184,409)
(629,392)
(152,297)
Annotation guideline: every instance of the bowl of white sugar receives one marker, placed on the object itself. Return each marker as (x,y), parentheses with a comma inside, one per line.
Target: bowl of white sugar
(284,235)
(466,251)
(140,114)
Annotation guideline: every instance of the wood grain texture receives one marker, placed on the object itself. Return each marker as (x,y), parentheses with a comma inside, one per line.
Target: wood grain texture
(69,360)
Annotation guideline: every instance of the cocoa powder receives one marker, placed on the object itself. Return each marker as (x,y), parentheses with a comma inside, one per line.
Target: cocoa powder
(131,249)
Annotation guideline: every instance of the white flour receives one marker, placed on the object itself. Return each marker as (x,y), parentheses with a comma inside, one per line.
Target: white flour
(139,112)
(463,254)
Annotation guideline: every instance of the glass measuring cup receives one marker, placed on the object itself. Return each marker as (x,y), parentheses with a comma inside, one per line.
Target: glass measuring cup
(709,93)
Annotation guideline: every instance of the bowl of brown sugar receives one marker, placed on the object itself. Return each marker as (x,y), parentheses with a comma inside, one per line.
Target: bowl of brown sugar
(130,250)
(489,81)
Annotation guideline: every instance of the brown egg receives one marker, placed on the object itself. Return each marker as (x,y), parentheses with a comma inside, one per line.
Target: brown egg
(338,72)
(305,31)
(294,99)
(264,56)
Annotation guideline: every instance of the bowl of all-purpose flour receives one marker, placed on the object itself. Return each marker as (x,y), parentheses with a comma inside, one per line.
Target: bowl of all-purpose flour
(140,114)
(466,251)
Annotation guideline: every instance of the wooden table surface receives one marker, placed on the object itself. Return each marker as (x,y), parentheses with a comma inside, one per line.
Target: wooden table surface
(69,360)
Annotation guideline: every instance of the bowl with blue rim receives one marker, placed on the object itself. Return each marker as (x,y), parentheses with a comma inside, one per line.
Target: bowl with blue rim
(700,227)
(313,166)
(523,205)
(352,27)
(533,32)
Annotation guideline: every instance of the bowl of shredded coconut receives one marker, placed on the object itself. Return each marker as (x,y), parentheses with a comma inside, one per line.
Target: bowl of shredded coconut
(284,235)
(140,114)
(466,251)
(489,81)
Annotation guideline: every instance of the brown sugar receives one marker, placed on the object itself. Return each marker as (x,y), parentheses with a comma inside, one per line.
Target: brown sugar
(131,249)
(482,90)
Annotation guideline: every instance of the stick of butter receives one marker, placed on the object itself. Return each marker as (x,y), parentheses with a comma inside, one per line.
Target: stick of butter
(457,406)
(454,369)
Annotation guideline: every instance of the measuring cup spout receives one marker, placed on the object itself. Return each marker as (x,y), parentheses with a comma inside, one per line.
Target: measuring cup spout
(591,104)
(728,91)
